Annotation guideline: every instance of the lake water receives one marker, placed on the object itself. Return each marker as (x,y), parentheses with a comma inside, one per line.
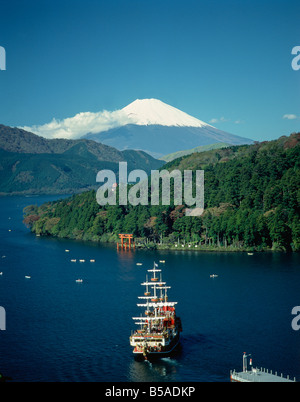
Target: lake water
(60,330)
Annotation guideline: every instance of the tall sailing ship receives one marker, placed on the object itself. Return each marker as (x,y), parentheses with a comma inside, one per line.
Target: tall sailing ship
(159,332)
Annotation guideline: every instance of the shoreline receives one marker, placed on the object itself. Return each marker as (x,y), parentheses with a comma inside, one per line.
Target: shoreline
(167,247)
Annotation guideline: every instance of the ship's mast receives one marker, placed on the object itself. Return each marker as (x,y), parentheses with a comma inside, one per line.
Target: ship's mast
(147,293)
(152,300)
(154,270)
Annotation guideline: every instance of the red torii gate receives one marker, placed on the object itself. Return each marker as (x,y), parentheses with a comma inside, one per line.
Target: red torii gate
(124,236)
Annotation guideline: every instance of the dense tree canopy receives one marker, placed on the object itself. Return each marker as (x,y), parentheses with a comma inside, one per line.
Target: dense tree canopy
(252,196)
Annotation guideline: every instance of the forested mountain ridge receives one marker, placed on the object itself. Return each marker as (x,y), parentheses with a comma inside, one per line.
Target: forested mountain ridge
(252,196)
(30,164)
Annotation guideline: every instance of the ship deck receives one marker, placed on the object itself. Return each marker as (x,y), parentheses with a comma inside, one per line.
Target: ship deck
(257,375)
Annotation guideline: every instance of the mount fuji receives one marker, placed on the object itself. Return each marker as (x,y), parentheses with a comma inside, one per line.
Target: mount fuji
(159,129)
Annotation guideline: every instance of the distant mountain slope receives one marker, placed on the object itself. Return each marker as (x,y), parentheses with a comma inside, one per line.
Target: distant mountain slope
(201,148)
(160,140)
(31,164)
(13,139)
(160,129)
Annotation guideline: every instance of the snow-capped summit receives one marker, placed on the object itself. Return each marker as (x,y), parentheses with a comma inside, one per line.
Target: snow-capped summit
(145,124)
(160,129)
(145,112)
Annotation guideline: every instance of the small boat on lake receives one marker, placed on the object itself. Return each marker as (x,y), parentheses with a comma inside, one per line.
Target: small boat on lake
(213,276)
(79,280)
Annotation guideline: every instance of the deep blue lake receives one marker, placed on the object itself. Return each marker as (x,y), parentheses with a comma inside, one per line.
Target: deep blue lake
(60,330)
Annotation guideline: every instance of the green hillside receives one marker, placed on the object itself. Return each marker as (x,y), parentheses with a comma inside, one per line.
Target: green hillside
(252,196)
(30,164)
(201,148)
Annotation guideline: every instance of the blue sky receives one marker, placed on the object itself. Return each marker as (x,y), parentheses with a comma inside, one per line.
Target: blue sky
(227,63)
